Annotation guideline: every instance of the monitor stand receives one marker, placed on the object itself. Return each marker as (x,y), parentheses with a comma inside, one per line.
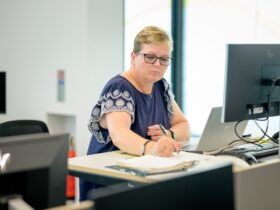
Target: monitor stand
(14,202)
(19,204)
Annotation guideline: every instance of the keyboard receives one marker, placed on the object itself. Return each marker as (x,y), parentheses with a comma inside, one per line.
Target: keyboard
(247,150)
(264,152)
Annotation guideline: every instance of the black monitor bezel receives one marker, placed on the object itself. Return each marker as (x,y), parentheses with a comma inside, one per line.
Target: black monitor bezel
(37,168)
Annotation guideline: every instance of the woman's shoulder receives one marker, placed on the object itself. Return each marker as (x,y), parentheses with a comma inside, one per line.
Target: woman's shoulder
(119,84)
(163,84)
(117,81)
(165,88)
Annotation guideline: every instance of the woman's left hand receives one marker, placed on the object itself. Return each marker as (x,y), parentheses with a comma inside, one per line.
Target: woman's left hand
(157,131)
(165,147)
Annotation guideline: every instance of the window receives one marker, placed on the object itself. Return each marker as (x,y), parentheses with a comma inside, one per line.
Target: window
(141,13)
(209,26)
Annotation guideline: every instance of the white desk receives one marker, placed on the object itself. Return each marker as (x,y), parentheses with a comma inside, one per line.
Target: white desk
(256,187)
(93,167)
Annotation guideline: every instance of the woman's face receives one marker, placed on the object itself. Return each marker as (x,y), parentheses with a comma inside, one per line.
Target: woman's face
(142,61)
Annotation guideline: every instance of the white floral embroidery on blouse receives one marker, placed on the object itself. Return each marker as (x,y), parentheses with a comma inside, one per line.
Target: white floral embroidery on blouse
(112,101)
(169,98)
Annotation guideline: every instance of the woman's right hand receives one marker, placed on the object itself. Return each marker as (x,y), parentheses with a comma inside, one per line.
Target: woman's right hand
(164,147)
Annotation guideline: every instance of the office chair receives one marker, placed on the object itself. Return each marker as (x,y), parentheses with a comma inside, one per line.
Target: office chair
(21,127)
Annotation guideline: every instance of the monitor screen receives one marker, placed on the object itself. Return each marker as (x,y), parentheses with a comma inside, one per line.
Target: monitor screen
(211,188)
(2,92)
(36,170)
(252,86)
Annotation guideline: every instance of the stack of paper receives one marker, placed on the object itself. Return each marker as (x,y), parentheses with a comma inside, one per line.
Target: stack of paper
(155,164)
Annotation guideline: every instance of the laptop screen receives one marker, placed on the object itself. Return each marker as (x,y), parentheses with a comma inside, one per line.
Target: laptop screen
(217,134)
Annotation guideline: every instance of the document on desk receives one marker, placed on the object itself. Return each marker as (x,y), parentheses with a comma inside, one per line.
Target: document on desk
(153,164)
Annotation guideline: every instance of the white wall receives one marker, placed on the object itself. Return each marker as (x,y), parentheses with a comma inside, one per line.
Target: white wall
(83,37)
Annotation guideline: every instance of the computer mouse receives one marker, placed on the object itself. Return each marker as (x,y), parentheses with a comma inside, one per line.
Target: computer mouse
(249,158)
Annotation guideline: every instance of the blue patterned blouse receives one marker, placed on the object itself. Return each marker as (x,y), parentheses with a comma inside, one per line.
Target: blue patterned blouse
(145,110)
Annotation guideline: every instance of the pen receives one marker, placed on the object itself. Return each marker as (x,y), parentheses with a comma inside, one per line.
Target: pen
(192,151)
(164,132)
(162,129)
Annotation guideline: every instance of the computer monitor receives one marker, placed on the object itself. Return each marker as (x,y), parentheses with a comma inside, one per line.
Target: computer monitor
(36,169)
(2,92)
(252,86)
(210,188)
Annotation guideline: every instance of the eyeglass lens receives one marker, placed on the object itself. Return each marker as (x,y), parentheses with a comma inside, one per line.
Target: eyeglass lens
(149,58)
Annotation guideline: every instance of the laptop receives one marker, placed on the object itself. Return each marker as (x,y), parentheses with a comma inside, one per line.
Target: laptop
(216,134)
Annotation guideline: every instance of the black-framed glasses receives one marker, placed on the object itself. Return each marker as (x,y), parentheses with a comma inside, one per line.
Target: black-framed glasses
(151,59)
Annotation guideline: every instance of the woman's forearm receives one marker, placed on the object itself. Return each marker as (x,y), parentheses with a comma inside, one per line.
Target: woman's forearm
(128,141)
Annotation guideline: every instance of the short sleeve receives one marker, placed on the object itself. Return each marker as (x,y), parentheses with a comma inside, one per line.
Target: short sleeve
(169,98)
(114,98)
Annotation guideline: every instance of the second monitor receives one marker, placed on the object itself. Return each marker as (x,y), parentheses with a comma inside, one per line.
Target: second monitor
(252,81)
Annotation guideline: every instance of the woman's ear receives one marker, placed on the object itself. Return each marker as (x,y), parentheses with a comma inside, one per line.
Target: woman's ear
(133,57)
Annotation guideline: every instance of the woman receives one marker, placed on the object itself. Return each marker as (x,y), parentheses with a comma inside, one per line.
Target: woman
(136,111)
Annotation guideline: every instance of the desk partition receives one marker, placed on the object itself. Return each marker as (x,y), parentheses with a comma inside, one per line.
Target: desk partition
(207,189)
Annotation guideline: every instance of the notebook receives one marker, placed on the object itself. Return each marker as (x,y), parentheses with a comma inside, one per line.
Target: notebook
(150,164)
(217,134)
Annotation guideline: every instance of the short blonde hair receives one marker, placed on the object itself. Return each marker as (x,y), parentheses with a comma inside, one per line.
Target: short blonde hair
(152,35)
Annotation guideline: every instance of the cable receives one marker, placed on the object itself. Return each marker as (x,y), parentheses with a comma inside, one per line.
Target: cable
(243,139)
(220,150)
(269,93)
(265,132)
